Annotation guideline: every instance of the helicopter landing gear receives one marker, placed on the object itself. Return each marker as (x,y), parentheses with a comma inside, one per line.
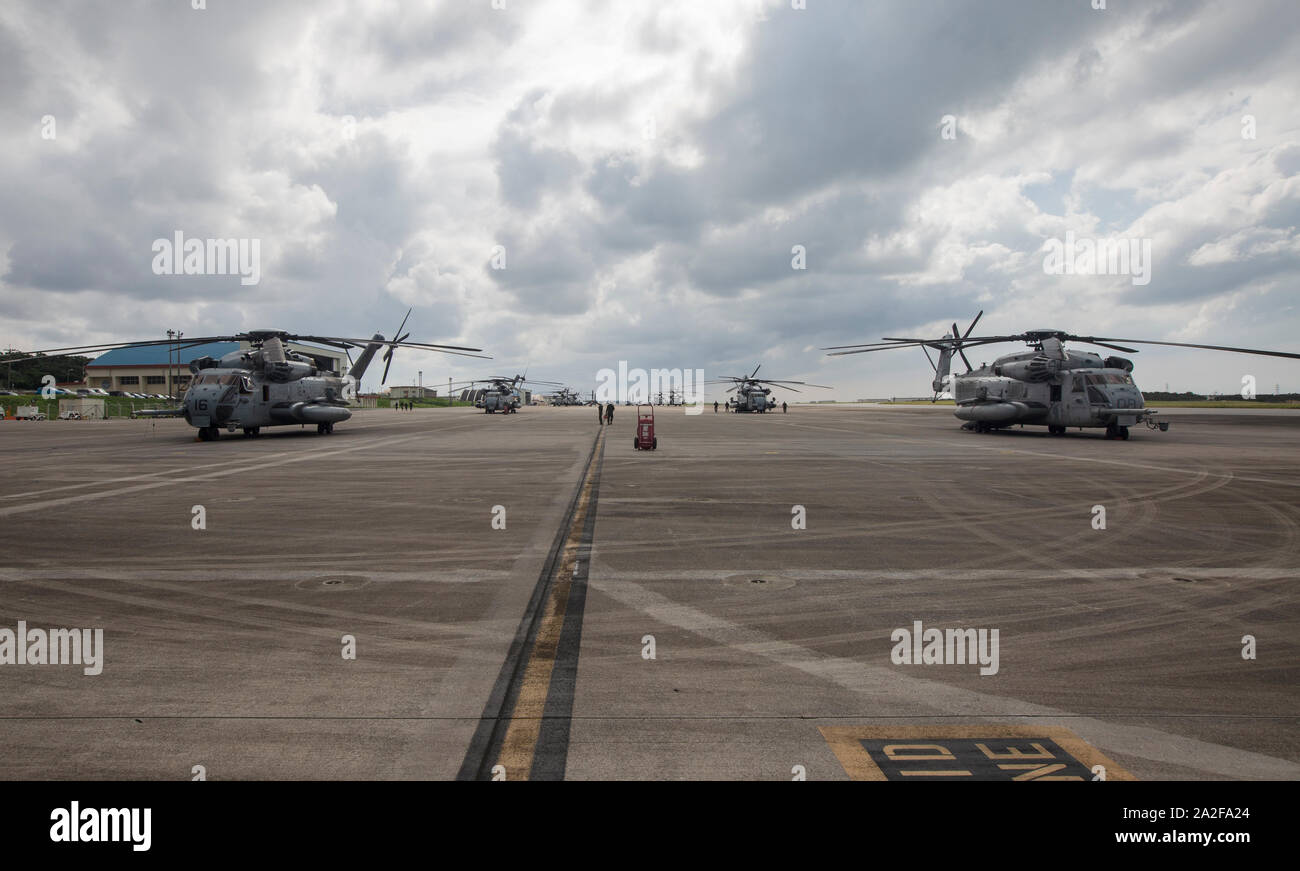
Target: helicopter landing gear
(209,433)
(324,428)
(251,431)
(1056,430)
(1117,432)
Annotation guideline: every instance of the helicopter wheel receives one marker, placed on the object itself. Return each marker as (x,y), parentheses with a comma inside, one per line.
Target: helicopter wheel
(209,433)
(1056,430)
(251,432)
(324,428)
(1123,433)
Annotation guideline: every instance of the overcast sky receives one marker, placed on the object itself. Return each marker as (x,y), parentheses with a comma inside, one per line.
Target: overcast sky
(648,169)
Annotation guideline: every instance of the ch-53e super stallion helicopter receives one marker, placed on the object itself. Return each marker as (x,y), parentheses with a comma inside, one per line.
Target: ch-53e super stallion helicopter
(501,395)
(566,396)
(270,385)
(751,396)
(1044,386)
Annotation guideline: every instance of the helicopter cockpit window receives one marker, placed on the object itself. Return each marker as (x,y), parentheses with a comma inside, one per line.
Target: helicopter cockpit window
(1108,378)
(245,384)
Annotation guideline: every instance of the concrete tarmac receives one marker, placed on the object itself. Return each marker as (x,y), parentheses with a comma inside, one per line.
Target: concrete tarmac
(223,646)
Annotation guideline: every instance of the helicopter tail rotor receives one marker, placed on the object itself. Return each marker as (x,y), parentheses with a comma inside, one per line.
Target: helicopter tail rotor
(392,346)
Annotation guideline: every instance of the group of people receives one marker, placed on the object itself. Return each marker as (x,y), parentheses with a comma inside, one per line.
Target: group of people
(605,414)
(404,405)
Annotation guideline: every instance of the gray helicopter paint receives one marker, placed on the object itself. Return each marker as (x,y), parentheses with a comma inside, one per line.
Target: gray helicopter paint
(751,396)
(1047,385)
(269,386)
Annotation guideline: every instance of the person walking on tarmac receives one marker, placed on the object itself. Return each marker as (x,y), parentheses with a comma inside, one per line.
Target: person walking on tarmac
(609,414)
(783,407)
(715,406)
(600,414)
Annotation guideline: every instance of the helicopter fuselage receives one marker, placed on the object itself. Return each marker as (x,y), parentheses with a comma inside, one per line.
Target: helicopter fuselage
(1071,390)
(752,400)
(240,391)
(505,401)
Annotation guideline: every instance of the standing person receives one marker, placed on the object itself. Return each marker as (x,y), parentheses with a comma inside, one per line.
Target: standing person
(783,407)
(600,414)
(609,414)
(715,406)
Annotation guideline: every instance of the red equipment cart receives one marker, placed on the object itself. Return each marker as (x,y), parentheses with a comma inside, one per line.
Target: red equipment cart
(645,429)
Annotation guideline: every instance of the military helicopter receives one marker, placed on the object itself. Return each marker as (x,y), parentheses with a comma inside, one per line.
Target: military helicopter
(270,385)
(566,396)
(751,395)
(502,394)
(1046,385)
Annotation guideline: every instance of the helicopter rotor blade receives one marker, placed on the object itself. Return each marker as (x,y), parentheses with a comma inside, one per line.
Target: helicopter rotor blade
(420,346)
(1112,347)
(1099,339)
(972,324)
(403,326)
(88,350)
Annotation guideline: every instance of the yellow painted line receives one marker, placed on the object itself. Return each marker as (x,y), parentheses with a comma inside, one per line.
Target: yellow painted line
(845,743)
(520,742)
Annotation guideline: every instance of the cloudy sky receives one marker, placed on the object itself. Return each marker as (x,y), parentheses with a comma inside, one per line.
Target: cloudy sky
(646,171)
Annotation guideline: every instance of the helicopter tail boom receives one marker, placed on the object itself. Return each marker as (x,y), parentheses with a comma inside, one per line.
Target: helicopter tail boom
(363,359)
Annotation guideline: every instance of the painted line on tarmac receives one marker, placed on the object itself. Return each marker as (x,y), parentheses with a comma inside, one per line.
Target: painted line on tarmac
(523,733)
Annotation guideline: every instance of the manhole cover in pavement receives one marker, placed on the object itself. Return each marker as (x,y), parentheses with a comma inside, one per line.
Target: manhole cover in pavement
(333,582)
(757,581)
